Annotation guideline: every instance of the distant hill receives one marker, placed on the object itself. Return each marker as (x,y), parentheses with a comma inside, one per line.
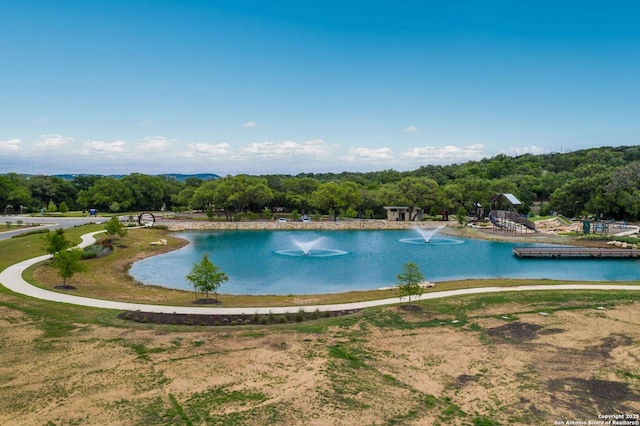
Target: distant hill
(181,178)
(177,176)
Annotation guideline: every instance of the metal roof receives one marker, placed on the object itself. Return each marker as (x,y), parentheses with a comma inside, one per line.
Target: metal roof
(510,197)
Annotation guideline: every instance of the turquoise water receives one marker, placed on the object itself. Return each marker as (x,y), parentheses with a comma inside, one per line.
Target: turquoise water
(270,262)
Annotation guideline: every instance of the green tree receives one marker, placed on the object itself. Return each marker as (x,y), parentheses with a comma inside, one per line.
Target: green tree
(333,197)
(297,192)
(51,207)
(267,213)
(104,192)
(464,192)
(234,194)
(409,281)
(183,198)
(148,191)
(115,227)
(20,196)
(63,207)
(56,242)
(412,192)
(206,277)
(462,215)
(67,263)
(44,189)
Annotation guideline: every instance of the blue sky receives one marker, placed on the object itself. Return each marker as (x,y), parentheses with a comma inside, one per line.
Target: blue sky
(291,86)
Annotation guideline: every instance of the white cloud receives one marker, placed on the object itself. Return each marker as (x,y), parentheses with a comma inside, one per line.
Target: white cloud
(521,150)
(209,149)
(9,146)
(53,141)
(41,120)
(312,148)
(145,122)
(410,129)
(156,143)
(250,124)
(55,153)
(445,154)
(366,154)
(100,147)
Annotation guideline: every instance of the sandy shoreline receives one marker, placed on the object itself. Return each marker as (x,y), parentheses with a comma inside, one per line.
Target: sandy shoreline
(182,225)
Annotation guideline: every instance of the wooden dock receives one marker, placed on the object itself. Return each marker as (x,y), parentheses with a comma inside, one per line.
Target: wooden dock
(576,253)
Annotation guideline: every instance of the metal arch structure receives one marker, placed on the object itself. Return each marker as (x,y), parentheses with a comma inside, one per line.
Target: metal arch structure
(146,219)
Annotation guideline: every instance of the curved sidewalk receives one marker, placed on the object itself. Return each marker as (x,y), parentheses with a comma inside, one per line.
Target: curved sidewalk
(11,278)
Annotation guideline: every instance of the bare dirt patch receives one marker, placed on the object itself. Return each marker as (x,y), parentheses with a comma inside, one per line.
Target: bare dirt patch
(381,367)
(518,331)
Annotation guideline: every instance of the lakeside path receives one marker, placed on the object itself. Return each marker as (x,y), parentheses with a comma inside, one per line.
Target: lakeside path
(11,278)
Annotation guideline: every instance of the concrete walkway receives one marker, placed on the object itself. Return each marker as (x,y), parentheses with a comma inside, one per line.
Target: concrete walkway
(11,278)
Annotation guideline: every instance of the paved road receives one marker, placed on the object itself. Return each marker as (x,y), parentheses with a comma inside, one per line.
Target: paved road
(48,222)
(12,279)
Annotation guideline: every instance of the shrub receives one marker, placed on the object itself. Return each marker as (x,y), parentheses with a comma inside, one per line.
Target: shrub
(96,250)
(35,231)
(163,227)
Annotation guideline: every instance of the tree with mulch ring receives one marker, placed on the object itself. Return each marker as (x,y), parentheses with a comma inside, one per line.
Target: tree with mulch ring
(206,277)
(409,285)
(67,262)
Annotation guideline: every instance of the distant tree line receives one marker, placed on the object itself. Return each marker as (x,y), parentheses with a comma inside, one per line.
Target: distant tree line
(600,182)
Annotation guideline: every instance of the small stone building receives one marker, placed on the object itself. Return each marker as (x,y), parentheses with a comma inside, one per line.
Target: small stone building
(403,214)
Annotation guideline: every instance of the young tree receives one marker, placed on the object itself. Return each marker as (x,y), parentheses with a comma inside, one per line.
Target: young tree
(114,207)
(409,281)
(67,262)
(56,242)
(205,276)
(115,227)
(63,208)
(462,215)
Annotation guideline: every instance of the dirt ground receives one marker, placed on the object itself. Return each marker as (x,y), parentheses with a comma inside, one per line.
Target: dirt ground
(501,366)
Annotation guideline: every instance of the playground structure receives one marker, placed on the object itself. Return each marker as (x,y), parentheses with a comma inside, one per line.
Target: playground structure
(503,216)
(606,227)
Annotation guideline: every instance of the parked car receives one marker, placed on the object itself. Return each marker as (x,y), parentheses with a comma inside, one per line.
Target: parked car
(282,219)
(305,219)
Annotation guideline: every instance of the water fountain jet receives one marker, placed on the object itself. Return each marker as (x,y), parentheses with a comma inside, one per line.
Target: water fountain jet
(427,237)
(307,246)
(427,234)
(309,249)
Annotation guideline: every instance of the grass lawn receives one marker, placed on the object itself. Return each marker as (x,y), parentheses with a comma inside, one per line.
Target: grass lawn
(489,359)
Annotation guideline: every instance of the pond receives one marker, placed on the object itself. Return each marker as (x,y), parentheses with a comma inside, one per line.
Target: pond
(310,262)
